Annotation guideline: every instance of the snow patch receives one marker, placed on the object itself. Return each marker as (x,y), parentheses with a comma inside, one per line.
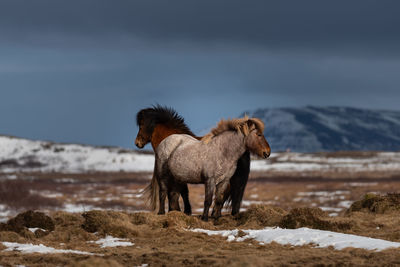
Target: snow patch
(110,241)
(33,230)
(78,208)
(31,248)
(305,236)
(345,203)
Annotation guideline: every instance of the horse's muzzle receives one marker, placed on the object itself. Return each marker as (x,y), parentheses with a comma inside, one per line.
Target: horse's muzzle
(266,154)
(138,144)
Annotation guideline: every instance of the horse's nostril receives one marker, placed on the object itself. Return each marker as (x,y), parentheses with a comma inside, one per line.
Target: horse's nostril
(266,155)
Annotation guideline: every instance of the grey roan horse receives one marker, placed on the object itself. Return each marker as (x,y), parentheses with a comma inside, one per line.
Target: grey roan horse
(182,159)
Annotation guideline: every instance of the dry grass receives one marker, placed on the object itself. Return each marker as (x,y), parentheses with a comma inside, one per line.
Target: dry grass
(378,204)
(164,240)
(314,218)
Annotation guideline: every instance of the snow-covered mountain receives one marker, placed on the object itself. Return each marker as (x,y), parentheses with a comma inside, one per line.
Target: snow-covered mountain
(313,129)
(18,154)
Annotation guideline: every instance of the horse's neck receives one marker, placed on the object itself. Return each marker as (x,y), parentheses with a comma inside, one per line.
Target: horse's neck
(161,132)
(230,145)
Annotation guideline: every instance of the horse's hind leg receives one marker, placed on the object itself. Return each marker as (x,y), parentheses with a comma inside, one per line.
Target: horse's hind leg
(185,196)
(209,192)
(162,195)
(173,197)
(219,198)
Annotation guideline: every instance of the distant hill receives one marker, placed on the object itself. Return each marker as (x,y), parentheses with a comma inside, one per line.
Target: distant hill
(312,129)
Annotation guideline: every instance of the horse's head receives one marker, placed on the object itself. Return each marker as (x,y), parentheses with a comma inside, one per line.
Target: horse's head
(255,140)
(146,127)
(156,123)
(142,138)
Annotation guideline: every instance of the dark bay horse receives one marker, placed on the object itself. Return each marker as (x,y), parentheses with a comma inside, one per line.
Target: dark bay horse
(157,123)
(180,158)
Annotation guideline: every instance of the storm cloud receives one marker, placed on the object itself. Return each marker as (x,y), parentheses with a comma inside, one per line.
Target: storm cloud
(364,24)
(76,71)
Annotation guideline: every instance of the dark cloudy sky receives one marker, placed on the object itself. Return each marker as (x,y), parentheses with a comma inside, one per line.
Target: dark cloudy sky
(78,71)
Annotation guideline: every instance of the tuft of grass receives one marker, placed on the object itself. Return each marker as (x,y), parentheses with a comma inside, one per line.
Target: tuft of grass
(261,216)
(29,219)
(377,204)
(117,224)
(314,218)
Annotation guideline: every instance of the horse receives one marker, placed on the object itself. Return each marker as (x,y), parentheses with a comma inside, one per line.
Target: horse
(157,123)
(180,158)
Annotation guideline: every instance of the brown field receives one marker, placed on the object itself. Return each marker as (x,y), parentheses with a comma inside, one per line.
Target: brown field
(86,207)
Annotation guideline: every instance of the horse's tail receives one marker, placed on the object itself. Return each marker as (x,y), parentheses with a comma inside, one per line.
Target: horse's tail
(228,202)
(151,193)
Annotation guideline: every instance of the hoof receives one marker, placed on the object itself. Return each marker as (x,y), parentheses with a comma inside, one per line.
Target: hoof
(161,213)
(188,210)
(216,217)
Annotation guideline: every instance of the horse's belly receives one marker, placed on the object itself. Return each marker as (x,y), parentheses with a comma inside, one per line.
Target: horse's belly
(186,171)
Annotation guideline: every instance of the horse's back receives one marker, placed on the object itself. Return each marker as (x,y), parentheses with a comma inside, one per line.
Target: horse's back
(169,144)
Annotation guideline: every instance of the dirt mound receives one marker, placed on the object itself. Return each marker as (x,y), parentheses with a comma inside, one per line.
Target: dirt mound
(377,204)
(260,216)
(125,225)
(117,224)
(178,220)
(29,219)
(314,218)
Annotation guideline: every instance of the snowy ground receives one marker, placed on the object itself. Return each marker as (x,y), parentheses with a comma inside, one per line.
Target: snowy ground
(18,155)
(109,242)
(25,155)
(305,236)
(106,242)
(42,249)
(299,162)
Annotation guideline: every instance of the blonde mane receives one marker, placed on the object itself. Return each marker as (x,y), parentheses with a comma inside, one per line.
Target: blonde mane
(241,125)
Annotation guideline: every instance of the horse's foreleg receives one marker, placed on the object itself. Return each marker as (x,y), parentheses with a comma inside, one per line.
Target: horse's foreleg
(209,192)
(226,193)
(219,198)
(185,197)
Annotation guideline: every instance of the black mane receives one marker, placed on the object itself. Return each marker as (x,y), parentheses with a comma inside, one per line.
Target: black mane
(150,117)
